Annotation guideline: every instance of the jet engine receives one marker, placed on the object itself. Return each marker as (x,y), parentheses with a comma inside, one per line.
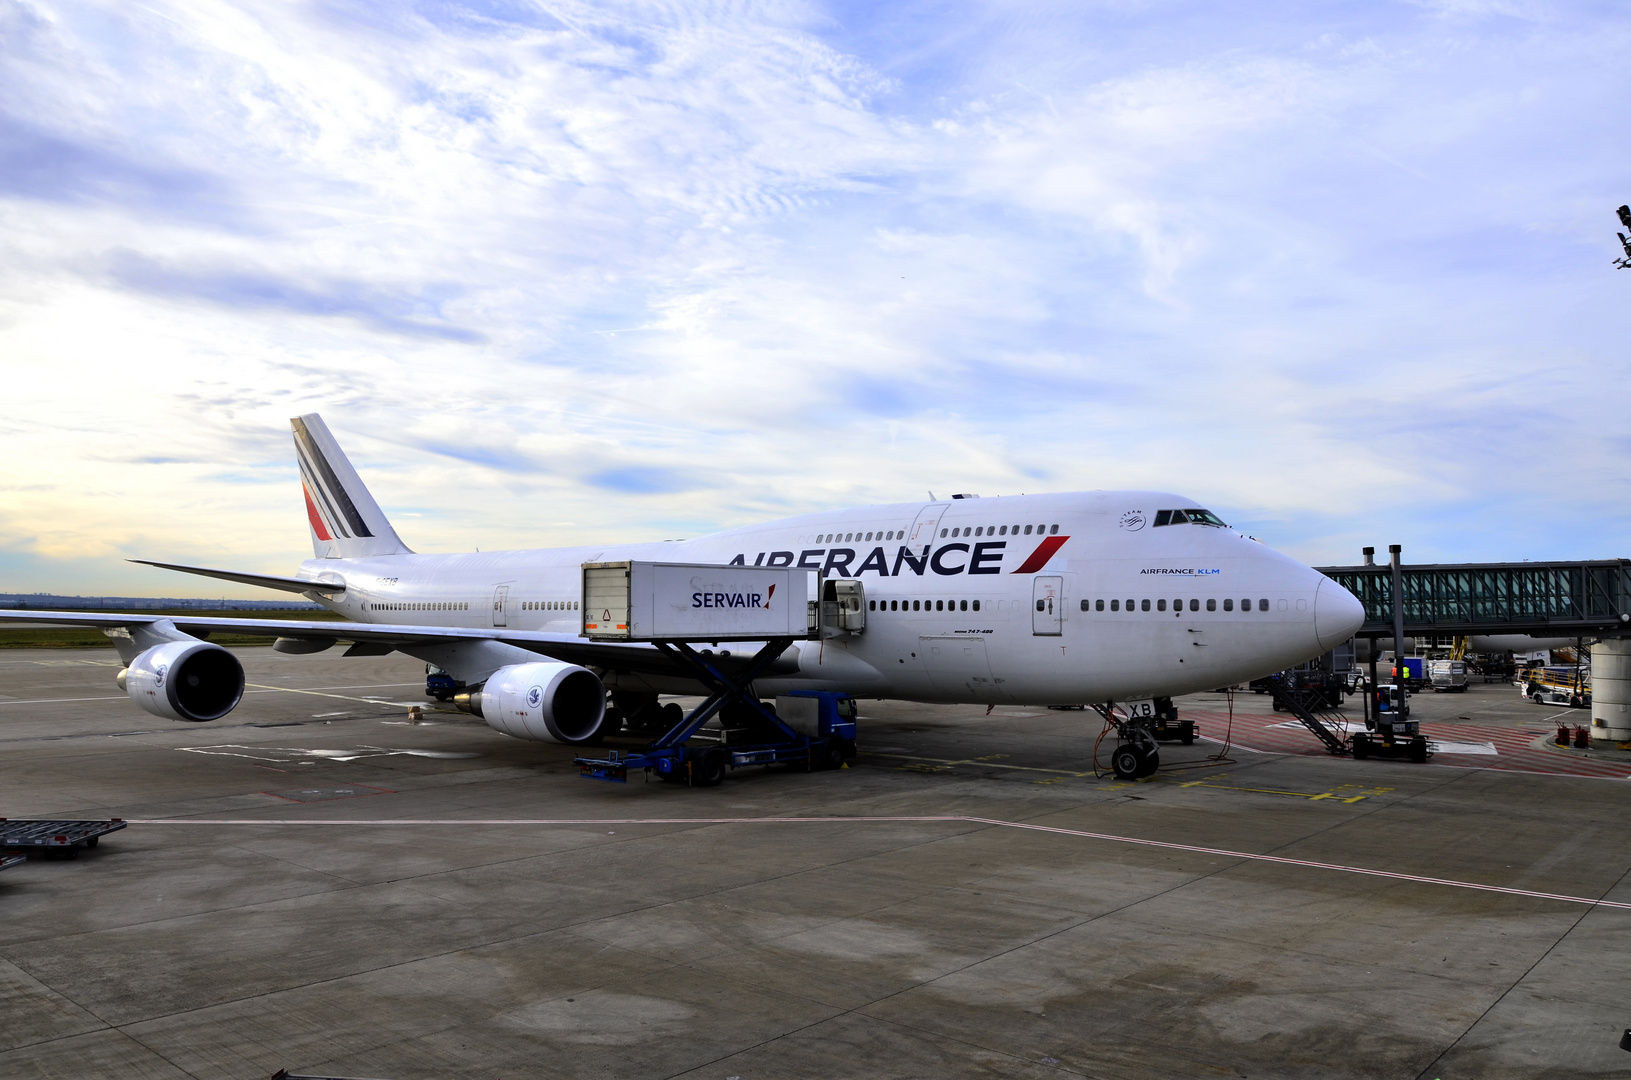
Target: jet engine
(547,701)
(185,680)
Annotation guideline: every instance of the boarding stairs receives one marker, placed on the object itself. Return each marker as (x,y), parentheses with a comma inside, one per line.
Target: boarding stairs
(1311,706)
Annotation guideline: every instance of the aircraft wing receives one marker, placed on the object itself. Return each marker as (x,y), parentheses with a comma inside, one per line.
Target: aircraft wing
(265,581)
(570,648)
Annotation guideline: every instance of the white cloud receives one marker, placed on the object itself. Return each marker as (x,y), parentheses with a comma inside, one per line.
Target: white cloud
(576,271)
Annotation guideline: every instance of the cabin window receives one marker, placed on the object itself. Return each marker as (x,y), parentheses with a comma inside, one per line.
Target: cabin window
(1002,530)
(1098,605)
(914,605)
(1262,605)
(976,605)
(1161,605)
(1086,605)
(1146,605)
(1115,605)
(1228,603)
(1194,605)
(872,605)
(1053,530)
(1211,605)
(1027,530)
(940,605)
(943,533)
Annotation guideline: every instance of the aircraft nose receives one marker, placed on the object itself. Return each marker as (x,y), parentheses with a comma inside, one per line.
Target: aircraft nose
(1338,614)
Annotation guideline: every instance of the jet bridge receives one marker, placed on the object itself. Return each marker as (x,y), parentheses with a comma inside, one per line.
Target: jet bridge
(678,606)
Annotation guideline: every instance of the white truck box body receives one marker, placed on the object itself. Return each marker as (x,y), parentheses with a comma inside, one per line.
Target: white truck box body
(644,601)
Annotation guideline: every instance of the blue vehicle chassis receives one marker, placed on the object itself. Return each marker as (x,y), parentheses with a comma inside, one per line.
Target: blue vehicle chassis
(671,759)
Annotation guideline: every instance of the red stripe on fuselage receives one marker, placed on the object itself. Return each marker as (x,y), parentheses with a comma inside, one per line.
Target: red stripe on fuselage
(311,514)
(1044,551)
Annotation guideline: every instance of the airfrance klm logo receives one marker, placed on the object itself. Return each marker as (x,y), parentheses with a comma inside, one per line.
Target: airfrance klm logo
(946,560)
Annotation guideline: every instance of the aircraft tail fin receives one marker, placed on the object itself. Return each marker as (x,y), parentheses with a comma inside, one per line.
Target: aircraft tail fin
(346,522)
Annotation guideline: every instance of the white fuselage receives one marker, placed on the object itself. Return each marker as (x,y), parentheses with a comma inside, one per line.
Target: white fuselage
(1040,599)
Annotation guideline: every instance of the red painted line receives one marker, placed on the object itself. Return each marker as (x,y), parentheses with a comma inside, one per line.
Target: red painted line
(1164,845)
(317,521)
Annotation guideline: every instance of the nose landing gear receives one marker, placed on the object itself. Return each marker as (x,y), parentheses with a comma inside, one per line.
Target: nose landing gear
(1137,756)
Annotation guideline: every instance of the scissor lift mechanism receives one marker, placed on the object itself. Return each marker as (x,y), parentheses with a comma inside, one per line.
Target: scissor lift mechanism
(705,766)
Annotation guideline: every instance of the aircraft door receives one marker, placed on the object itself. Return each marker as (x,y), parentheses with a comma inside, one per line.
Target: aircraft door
(501,596)
(1047,605)
(928,520)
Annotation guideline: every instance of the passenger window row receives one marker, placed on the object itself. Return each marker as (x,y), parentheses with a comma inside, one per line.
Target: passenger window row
(923,605)
(1000,530)
(849,538)
(427,605)
(977,530)
(1177,605)
(549,605)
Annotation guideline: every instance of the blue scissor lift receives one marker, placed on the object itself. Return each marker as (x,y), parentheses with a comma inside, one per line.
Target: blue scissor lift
(673,757)
(671,606)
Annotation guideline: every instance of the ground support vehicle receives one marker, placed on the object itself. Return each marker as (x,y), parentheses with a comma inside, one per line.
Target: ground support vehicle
(687,754)
(52,836)
(1391,736)
(1563,685)
(1168,728)
(1447,676)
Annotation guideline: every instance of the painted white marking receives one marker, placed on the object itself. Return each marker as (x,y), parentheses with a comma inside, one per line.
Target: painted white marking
(1440,746)
(923,819)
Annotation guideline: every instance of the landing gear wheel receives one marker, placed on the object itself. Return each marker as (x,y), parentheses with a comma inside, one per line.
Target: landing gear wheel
(1418,750)
(1126,762)
(1361,746)
(1149,761)
(708,769)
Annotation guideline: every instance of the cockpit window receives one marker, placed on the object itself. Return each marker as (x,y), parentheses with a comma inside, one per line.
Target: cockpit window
(1185,517)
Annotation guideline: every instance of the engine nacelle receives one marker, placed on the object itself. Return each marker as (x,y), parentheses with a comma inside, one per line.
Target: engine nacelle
(185,680)
(546,701)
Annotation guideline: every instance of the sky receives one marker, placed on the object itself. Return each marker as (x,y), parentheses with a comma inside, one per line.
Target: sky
(560,273)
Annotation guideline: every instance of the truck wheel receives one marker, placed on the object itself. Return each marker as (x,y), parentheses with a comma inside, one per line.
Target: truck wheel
(709,768)
(1418,750)
(1126,762)
(1361,747)
(1186,734)
(827,754)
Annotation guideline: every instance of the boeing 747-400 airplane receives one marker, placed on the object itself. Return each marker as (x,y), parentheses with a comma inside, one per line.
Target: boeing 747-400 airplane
(1080,598)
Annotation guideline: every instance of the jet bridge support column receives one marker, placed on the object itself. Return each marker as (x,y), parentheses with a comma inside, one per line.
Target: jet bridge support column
(1611,690)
